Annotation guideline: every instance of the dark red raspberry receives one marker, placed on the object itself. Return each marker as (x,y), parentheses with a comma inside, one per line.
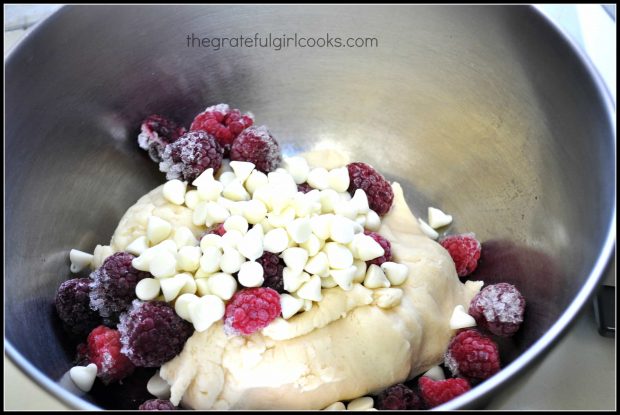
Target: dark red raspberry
(304,187)
(190,155)
(218,230)
(273,267)
(224,123)
(378,190)
(257,145)
(398,397)
(157,405)
(152,333)
(464,250)
(73,307)
(81,355)
(104,350)
(499,309)
(472,355)
(385,244)
(156,133)
(437,392)
(250,310)
(113,286)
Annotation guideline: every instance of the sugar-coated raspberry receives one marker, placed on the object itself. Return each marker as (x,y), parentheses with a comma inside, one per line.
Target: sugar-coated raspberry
(273,266)
(113,286)
(378,190)
(250,310)
(190,155)
(499,309)
(304,187)
(104,350)
(73,307)
(152,333)
(385,244)
(437,392)
(223,122)
(156,133)
(257,145)
(398,397)
(464,250)
(157,405)
(473,356)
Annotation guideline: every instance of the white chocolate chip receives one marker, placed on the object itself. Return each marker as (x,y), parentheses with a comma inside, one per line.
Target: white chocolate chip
(237,208)
(79,260)
(298,168)
(338,179)
(366,248)
(189,283)
(344,277)
(293,279)
(210,239)
(360,271)
(242,169)
(276,240)
(216,213)
(183,236)
(157,229)
(224,168)
(311,290)
(428,231)
(375,278)
(234,190)
(84,376)
(328,282)
(361,220)
(137,246)
(251,274)
(329,199)
(188,258)
(283,183)
(280,220)
(171,287)
(254,211)
(460,319)
(100,254)
(437,219)
(210,190)
(227,177)
(163,264)
(174,191)
(373,221)
(321,225)
(290,305)
(238,223)
(157,386)
(396,273)
(231,239)
(191,198)
(202,286)
(231,260)
(346,209)
(210,260)
(205,311)
(336,406)
(360,202)
(318,265)
(199,215)
(256,180)
(147,289)
(167,245)
(318,178)
(251,246)
(361,404)
(204,177)
(435,373)
(307,305)
(338,255)
(295,258)
(299,230)
(387,297)
(222,284)
(342,229)
(313,245)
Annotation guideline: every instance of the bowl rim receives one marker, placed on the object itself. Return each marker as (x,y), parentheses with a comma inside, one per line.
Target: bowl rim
(517,367)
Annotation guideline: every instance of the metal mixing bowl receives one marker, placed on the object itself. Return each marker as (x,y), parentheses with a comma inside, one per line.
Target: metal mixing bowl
(487,112)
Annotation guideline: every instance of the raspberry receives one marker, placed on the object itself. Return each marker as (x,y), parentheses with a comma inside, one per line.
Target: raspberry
(152,333)
(73,307)
(377,189)
(113,286)
(304,187)
(257,145)
(464,250)
(436,392)
(218,230)
(272,271)
(156,133)
(224,123)
(398,397)
(499,309)
(157,405)
(472,356)
(104,350)
(251,309)
(81,355)
(190,155)
(385,244)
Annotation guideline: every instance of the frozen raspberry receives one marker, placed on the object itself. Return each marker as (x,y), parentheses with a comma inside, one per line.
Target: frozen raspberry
(190,155)
(157,405)
(224,123)
(73,307)
(81,355)
(104,350)
(377,189)
(464,250)
(398,397)
(499,309)
(218,230)
(304,187)
(251,309)
(156,133)
(257,145)
(152,333)
(272,271)
(385,244)
(113,286)
(472,355)
(437,392)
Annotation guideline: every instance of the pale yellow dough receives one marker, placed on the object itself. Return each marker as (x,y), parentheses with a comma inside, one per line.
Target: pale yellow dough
(344,348)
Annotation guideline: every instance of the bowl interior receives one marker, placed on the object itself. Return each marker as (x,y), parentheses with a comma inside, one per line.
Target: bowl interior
(484,112)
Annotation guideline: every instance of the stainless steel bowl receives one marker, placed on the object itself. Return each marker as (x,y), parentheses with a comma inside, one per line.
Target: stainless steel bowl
(487,112)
